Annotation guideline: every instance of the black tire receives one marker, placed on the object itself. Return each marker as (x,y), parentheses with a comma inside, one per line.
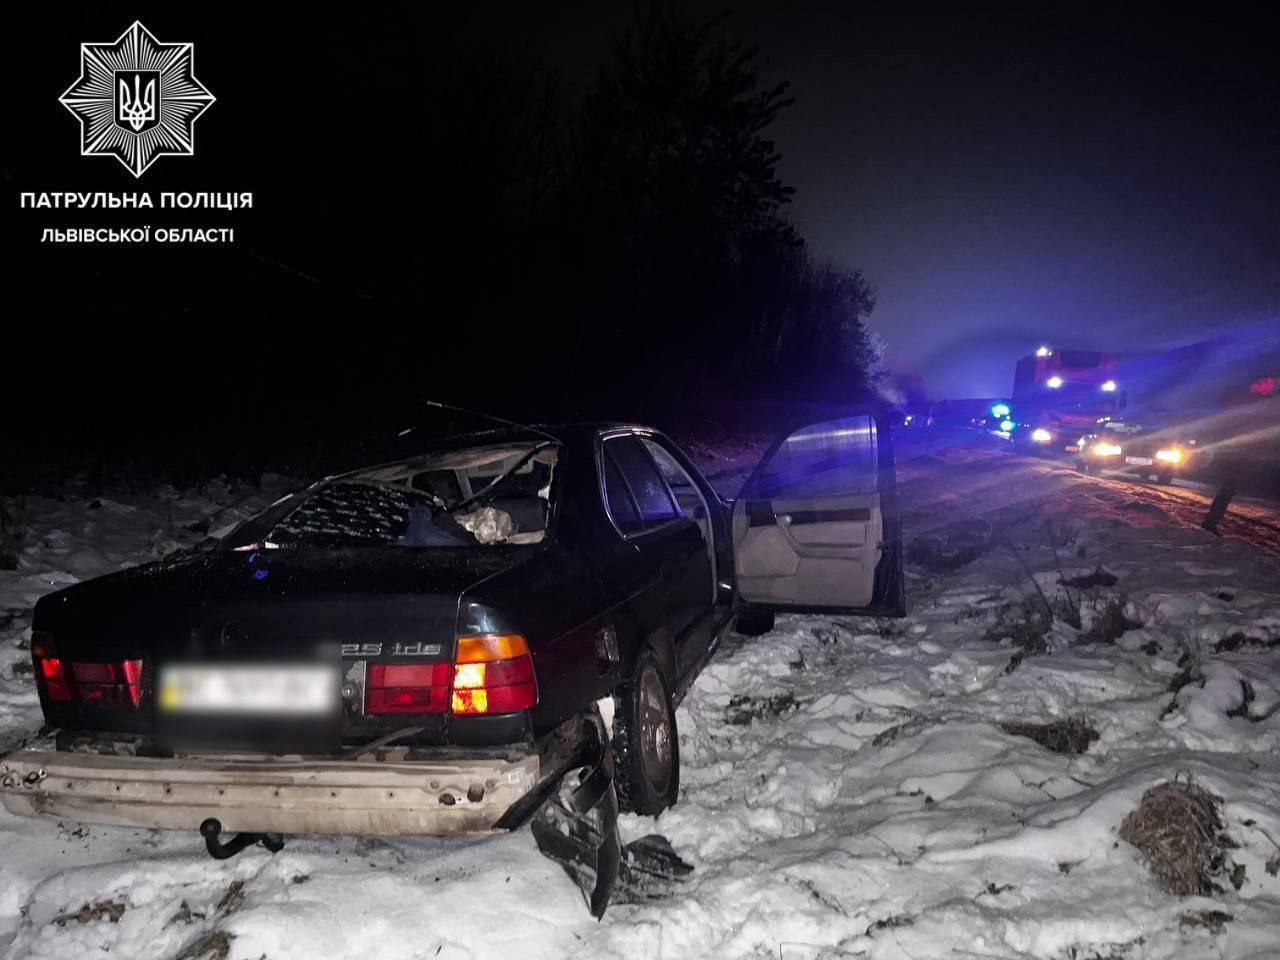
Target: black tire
(1165,477)
(751,622)
(646,743)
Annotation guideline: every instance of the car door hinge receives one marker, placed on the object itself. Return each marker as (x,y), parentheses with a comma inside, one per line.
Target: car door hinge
(607,644)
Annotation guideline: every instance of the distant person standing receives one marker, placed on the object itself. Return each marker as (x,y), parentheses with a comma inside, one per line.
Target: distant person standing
(1252,451)
(1218,509)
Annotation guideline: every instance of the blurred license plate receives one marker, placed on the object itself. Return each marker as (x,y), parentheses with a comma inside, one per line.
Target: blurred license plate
(1138,461)
(249,688)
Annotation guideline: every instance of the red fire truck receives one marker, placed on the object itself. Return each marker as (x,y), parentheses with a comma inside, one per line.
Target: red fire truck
(1060,395)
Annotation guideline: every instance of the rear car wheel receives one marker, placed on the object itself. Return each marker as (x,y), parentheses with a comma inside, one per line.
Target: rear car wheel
(1165,477)
(646,745)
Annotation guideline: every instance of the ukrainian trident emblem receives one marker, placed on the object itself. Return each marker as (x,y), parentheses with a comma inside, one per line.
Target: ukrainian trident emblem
(137,99)
(137,108)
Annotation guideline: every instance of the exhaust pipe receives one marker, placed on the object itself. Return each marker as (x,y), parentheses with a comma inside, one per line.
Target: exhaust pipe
(211,830)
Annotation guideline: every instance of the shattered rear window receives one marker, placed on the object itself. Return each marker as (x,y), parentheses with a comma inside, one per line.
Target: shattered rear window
(481,496)
(349,514)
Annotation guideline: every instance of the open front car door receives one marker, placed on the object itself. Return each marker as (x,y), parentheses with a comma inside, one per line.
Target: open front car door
(816,526)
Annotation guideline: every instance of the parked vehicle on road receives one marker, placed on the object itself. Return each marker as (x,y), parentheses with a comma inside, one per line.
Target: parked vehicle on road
(465,635)
(1141,450)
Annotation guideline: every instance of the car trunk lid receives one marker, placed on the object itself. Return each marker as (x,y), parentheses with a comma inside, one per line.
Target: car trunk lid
(276,631)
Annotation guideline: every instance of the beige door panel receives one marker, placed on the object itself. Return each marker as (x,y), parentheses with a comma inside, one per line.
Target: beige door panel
(801,559)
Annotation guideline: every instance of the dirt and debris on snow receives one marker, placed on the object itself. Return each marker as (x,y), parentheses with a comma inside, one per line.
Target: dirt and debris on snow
(107,909)
(1176,827)
(1061,736)
(849,788)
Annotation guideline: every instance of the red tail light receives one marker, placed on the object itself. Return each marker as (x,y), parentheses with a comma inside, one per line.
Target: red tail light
(49,675)
(493,674)
(407,688)
(113,684)
(490,674)
(117,684)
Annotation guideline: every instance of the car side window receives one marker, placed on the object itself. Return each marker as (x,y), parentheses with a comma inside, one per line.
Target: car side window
(824,460)
(651,496)
(689,499)
(618,499)
(679,481)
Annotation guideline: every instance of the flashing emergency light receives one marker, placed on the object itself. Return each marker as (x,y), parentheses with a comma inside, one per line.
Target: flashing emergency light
(1044,352)
(1041,435)
(1054,382)
(1007,425)
(1109,386)
(1000,410)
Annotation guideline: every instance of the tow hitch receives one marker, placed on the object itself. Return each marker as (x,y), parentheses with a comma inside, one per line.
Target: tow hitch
(211,829)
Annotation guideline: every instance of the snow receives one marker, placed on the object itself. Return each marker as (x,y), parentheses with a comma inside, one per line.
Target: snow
(847,789)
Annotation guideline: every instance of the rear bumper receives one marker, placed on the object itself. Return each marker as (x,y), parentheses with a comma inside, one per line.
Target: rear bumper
(268,795)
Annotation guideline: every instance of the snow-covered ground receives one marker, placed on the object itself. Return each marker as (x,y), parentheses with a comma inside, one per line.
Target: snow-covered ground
(848,790)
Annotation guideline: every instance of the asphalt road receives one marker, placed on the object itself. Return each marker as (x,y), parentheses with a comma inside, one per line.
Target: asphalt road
(948,478)
(949,475)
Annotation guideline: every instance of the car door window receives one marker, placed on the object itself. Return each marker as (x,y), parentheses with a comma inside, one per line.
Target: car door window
(827,459)
(681,483)
(652,497)
(622,507)
(689,499)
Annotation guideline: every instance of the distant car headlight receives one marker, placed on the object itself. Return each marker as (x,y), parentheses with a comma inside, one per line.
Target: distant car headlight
(1105,449)
(1172,455)
(1041,435)
(1054,382)
(1109,386)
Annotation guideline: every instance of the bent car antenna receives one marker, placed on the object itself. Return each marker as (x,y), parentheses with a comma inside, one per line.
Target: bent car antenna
(487,416)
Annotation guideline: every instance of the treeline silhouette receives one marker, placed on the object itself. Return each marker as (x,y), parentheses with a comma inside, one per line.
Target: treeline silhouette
(443,218)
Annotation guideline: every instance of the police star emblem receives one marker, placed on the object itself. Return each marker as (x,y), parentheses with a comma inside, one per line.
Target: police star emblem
(137,99)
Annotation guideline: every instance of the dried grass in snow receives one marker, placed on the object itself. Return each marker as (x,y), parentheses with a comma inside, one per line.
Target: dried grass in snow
(1060,736)
(1176,827)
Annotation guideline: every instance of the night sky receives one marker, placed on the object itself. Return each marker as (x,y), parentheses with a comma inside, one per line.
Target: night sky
(1102,176)
(1086,179)
(1091,176)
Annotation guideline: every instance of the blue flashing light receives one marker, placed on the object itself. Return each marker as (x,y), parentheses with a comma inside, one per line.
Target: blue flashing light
(1000,410)
(1007,426)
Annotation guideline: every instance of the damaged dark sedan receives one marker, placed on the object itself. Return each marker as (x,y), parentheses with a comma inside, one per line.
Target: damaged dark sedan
(491,629)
